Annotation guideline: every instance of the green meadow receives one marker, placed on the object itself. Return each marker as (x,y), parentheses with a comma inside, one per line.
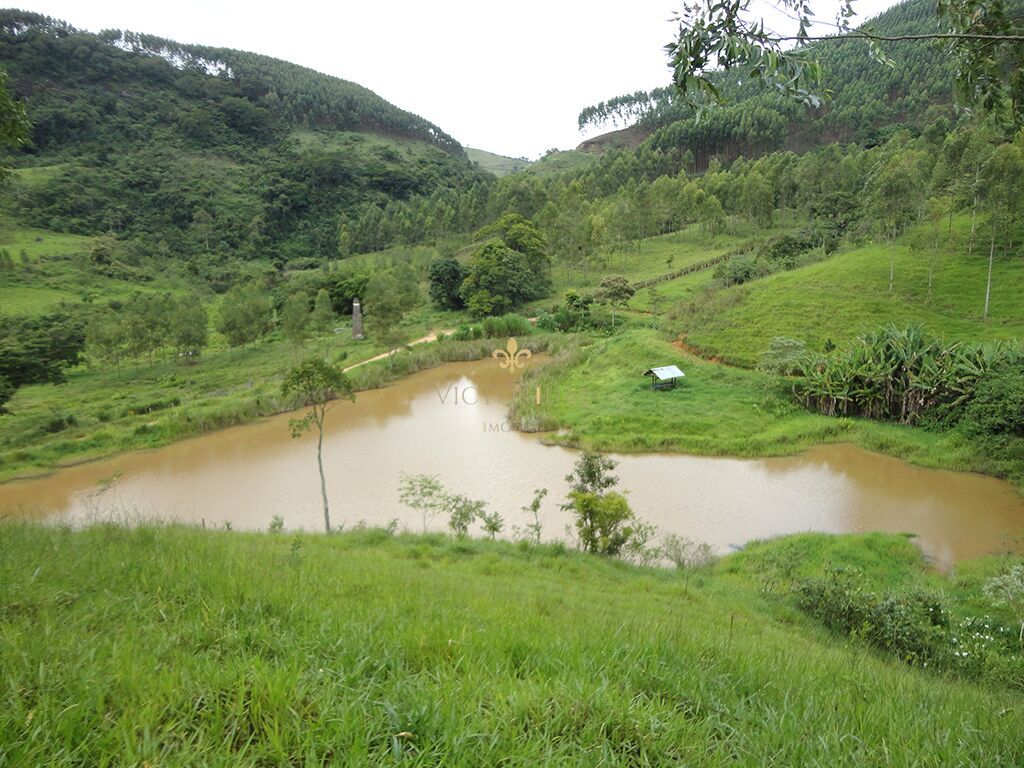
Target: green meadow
(174,646)
(848,294)
(596,397)
(53,268)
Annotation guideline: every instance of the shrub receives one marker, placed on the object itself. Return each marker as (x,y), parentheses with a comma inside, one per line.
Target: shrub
(468,333)
(492,522)
(684,552)
(505,326)
(462,513)
(911,626)
(741,269)
(546,322)
(577,313)
(997,407)
(605,523)
(1007,590)
(58,422)
(783,356)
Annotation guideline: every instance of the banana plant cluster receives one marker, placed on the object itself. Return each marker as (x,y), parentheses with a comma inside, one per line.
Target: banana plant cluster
(897,374)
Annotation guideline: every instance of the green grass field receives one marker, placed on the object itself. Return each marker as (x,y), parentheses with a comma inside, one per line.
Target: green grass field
(34,175)
(364,145)
(559,162)
(175,646)
(499,165)
(58,271)
(686,247)
(848,294)
(40,243)
(597,398)
(670,292)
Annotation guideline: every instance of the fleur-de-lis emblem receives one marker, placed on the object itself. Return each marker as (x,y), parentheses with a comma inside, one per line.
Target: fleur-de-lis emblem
(512,356)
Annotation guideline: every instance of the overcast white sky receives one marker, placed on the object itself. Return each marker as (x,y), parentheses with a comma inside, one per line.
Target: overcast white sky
(507,77)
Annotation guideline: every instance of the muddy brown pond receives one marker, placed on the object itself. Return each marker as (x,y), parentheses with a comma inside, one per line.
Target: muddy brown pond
(450,421)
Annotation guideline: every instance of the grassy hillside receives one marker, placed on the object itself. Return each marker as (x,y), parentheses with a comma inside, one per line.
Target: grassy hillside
(52,269)
(597,398)
(499,165)
(659,256)
(175,646)
(848,294)
(559,162)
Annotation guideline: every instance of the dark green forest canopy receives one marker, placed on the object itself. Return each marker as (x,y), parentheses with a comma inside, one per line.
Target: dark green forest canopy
(869,101)
(150,136)
(39,48)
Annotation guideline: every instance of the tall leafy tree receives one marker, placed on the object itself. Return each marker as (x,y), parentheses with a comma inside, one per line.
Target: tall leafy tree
(246,314)
(445,276)
(295,317)
(390,294)
(896,195)
(323,318)
(189,326)
(14,125)
(615,291)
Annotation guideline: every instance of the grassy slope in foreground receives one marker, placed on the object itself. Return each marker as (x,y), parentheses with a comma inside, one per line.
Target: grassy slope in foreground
(183,647)
(603,402)
(848,294)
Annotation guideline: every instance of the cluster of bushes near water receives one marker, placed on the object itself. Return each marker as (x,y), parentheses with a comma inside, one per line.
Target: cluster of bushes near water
(906,375)
(916,626)
(876,590)
(503,326)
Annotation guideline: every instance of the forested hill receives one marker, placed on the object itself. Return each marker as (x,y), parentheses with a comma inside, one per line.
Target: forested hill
(159,142)
(869,100)
(41,51)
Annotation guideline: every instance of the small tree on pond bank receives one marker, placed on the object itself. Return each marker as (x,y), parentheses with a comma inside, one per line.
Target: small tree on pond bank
(424,493)
(316,383)
(591,474)
(604,522)
(427,495)
(492,522)
(534,529)
(463,511)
